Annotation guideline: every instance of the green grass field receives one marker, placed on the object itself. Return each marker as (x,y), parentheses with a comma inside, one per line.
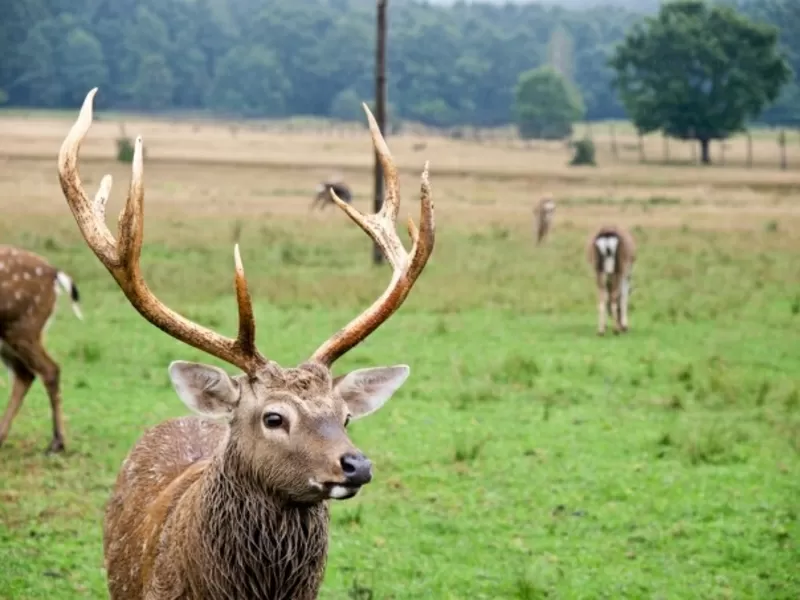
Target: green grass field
(524,458)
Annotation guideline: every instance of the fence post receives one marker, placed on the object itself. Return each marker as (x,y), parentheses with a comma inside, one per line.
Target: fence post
(749,149)
(641,148)
(782,144)
(613,134)
(380,110)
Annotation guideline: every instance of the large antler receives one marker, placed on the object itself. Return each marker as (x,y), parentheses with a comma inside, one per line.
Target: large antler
(381,228)
(121,257)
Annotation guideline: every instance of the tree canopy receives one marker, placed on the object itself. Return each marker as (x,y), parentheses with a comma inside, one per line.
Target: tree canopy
(697,71)
(448,65)
(784,15)
(546,105)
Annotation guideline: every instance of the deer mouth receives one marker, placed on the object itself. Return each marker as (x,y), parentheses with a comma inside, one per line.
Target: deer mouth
(341,491)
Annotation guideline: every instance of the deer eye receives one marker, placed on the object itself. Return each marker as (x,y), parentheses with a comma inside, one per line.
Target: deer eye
(347,420)
(273,420)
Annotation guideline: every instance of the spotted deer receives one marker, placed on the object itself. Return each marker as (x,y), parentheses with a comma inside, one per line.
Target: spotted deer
(543,212)
(29,286)
(323,195)
(611,252)
(233,502)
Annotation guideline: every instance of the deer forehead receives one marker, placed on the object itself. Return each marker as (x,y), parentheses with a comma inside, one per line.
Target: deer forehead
(308,388)
(307,406)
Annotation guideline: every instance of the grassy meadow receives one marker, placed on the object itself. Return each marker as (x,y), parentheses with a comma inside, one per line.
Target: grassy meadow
(525,457)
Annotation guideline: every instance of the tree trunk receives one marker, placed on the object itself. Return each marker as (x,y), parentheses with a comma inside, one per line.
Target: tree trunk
(380,111)
(705,151)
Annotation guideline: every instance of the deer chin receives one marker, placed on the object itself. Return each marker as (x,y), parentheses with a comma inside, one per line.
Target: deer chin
(332,490)
(341,492)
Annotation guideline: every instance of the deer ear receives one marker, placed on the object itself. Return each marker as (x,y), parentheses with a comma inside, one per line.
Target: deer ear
(366,390)
(207,390)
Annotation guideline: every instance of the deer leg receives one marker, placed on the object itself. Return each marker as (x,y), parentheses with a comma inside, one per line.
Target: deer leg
(623,305)
(602,301)
(37,360)
(615,306)
(615,312)
(22,381)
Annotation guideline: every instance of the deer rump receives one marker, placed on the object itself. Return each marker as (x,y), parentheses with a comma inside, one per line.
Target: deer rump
(610,252)
(29,286)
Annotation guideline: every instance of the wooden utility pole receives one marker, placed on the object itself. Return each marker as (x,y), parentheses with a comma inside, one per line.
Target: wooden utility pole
(380,110)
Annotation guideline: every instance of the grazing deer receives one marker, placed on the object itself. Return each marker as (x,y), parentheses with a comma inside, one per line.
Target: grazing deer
(325,190)
(29,286)
(544,217)
(233,503)
(611,252)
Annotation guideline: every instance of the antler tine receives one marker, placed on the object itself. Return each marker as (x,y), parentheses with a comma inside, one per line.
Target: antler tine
(121,258)
(95,231)
(246,340)
(101,198)
(130,225)
(423,239)
(391,201)
(381,227)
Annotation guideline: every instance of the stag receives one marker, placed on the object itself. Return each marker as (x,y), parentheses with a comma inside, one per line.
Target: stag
(611,253)
(29,286)
(543,212)
(233,502)
(327,189)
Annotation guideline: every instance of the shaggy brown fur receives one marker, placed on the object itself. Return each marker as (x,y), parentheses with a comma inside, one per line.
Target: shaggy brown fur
(203,527)
(613,269)
(194,515)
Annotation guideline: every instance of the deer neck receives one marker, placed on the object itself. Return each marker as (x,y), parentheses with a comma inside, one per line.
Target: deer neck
(253,543)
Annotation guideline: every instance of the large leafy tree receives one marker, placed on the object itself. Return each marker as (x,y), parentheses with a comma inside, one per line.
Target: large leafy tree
(785,15)
(546,105)
(697,71)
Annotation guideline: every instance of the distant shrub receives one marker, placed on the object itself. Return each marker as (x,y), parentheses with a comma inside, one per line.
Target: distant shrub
(124,150)
(125,146)
(584,153)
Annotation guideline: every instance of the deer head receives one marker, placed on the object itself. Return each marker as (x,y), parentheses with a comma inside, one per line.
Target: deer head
(287,426)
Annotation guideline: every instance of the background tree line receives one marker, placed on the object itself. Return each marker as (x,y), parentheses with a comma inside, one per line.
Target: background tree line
(448,65)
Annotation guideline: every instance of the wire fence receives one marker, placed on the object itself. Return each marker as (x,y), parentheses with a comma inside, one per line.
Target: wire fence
(614,142)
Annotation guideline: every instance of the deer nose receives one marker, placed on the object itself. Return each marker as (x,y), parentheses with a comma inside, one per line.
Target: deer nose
(357,469)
